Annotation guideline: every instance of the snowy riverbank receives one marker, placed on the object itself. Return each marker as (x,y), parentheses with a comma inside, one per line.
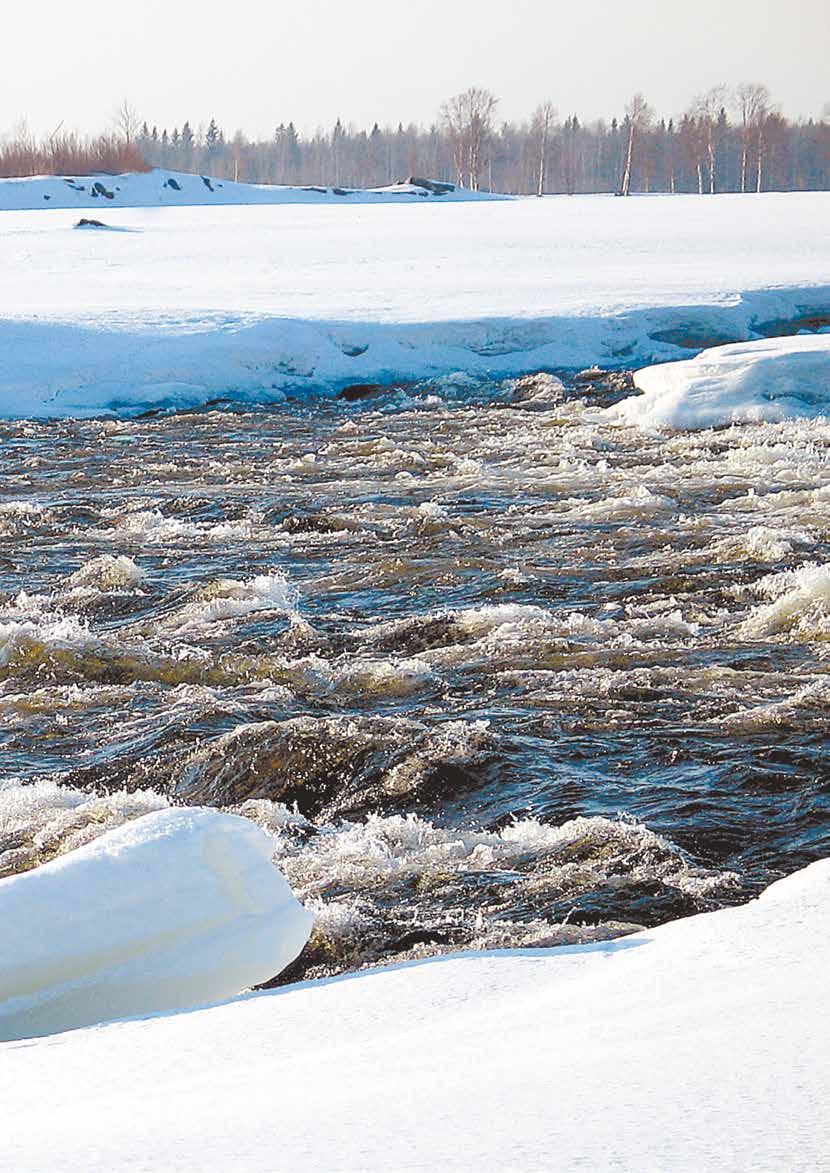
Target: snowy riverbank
(697,1046)
(186,304)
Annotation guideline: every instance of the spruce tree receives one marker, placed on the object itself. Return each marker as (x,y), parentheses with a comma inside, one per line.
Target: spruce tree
(213,138)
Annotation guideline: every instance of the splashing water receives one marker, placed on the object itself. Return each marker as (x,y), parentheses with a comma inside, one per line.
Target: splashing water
(492,669)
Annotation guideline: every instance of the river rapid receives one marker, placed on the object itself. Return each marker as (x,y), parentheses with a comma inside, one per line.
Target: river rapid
(494,669)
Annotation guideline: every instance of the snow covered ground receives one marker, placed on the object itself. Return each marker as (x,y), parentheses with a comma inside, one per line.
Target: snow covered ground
(774,379)
(175,909)
(184,304)
(698,1046)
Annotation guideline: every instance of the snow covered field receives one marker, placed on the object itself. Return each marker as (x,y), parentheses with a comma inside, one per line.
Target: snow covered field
(697,1046)
(184,304)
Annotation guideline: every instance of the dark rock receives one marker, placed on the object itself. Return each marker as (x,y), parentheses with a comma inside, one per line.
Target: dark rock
(357,391)
(433,185)
(314,523)
(85,223)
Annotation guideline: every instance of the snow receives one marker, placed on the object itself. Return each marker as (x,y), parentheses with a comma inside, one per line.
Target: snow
(251,302)
(769,380)
(164,188)
(175,909)
(701,1045)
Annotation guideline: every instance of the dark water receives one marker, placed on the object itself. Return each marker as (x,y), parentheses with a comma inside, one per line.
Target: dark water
(494,670)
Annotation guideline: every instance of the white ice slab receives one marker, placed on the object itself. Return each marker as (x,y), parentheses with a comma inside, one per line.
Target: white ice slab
(177,908)
(698,1046)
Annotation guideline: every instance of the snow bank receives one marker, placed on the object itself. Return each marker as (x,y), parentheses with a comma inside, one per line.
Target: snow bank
(177,908)
(698,1046)
(182,189)
(193,303)
(770,380)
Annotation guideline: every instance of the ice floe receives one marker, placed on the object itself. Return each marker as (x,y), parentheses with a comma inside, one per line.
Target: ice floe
(750,382)
(174,909)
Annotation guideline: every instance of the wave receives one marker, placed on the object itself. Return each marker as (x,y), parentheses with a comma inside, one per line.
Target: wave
(397,886)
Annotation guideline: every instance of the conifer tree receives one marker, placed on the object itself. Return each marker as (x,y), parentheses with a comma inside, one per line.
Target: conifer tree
(213,139)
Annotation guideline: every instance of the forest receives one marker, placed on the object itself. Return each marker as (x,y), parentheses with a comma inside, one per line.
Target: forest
(729,139)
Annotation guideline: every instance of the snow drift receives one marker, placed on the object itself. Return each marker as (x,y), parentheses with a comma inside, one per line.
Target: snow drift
(766,381)
(698,1046)
(163,188)
(177,908)
(188,304)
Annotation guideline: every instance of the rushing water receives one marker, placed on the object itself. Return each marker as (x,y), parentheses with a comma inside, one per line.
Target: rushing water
(494,670)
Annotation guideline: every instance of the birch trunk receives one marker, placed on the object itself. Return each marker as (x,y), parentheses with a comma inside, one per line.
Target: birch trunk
(625,186)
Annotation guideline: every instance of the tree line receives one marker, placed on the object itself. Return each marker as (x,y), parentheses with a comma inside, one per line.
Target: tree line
(727,140)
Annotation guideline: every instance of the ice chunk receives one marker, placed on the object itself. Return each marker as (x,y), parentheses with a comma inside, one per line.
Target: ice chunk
(175,909)
(771,380)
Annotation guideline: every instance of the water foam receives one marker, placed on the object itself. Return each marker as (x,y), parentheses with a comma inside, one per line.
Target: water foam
(800,607)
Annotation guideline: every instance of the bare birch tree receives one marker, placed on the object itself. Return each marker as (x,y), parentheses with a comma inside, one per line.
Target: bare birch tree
(706,110)
(544,119)
(638,116)
(127,122)
(753,105)
(468,119)
(759,149)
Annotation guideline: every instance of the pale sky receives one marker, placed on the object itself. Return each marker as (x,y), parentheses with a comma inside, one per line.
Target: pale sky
(255,63)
